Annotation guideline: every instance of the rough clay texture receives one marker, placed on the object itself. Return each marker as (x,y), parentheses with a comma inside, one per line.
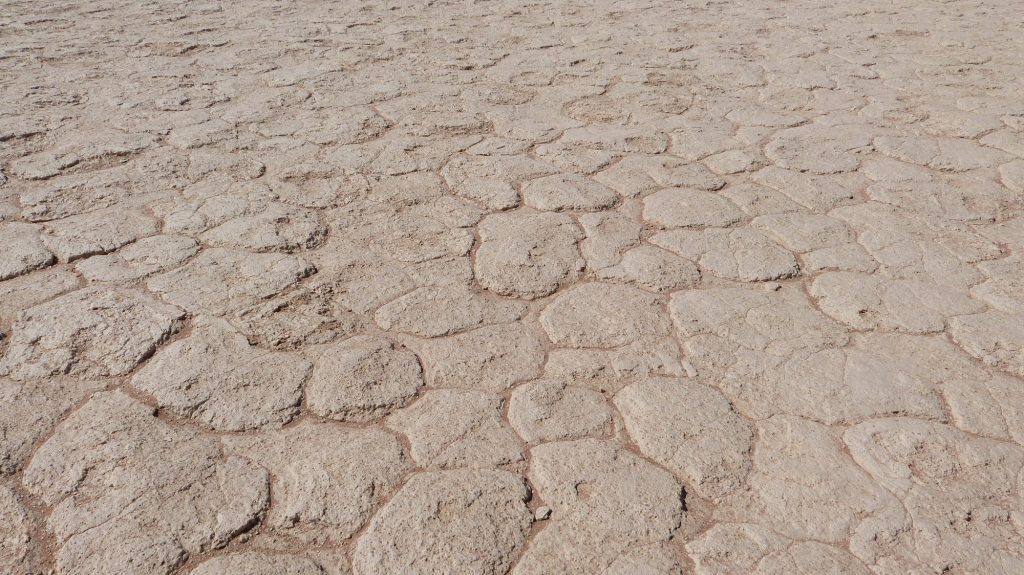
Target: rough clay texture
(623,288)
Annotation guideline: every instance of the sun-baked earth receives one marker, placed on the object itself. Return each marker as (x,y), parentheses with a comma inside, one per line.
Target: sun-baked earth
(636,287)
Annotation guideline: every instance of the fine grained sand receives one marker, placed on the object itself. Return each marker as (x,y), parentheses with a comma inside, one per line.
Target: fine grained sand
(619,288)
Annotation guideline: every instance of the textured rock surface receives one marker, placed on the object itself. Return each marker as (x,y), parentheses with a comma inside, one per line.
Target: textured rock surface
(683,208)
(804,485)
(627,288)
(942,473)
(742,254)
(653,268)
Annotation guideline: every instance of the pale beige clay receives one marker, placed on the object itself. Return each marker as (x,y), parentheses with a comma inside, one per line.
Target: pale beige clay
(657,287)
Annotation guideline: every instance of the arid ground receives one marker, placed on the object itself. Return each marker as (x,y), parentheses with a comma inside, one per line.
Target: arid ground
(632,287)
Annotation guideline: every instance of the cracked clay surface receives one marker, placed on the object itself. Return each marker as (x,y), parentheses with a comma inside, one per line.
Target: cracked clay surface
(597,287)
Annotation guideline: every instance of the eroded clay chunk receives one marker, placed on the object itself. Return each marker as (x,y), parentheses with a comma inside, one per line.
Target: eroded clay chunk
(458,428)
(471,522)
(528,255)
(777,323)
(490,179)
(811,557)
(692,430)
(96,143)
(153,494)
(23,250)
(733,548)
(871,302)
(92,332)
(567,192)
(142,258)
(687,208)
(606,502)
(361,379)
(23,292)
(635,175)
(407,236)
(437,311)
(596,485)
(806,487)
(961,492)
(803,232)
(256,563)
(811,191)
(835,386)
(277,227)
(1004,288)
(492,358)
(653,268)
(214,376)
(21,426)
(948,154)
(221,282)
(98,232)
(549,410)
(603,315)
(566,549)
(819,149)
(327,479)
(608,371)
(994,337)
(608,235)
(18,554)
(742,254)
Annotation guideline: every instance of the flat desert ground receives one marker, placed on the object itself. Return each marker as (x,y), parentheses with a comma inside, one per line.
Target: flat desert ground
(636,287)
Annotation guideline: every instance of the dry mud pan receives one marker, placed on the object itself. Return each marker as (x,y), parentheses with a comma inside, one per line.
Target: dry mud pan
(630,287)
